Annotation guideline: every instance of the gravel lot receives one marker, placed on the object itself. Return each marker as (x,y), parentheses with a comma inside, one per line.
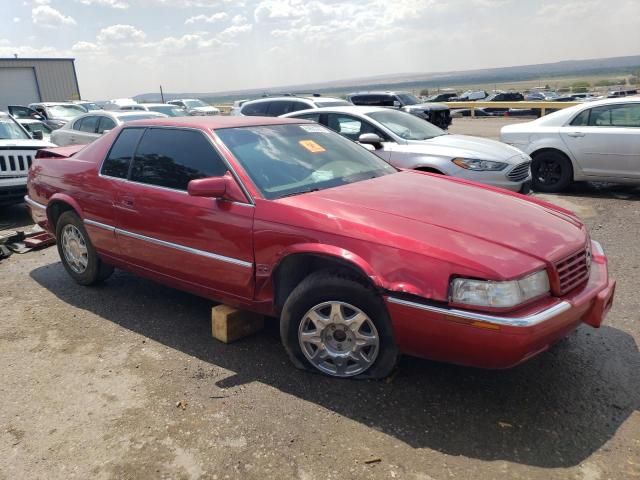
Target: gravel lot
(125,381)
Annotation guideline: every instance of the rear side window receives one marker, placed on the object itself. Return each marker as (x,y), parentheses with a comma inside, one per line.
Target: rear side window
(280,107)
(171,158)
(106,124)
(88,124)
(121,153)
(255,109)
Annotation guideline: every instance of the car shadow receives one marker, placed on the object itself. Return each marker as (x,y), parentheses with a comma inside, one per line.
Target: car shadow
(554,411)
(602,190)
(15,217)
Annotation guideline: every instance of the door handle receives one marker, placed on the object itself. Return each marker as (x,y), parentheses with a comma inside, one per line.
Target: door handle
(576,134)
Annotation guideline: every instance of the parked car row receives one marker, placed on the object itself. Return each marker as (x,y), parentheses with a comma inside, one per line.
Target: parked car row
(435,113)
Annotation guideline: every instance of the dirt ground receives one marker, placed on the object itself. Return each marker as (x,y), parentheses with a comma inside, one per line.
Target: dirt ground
(123,381)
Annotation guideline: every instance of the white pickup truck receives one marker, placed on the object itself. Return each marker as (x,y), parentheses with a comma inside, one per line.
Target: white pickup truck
(17,151)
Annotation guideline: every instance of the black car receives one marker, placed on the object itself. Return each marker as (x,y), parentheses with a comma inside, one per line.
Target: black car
(435,113)
(502,97)
(442,97)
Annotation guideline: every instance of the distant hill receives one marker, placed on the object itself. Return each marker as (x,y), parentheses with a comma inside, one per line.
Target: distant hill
(425,80)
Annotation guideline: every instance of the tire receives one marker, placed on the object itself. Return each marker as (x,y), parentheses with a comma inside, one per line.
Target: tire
(551,172)
(77,253)
(326,303)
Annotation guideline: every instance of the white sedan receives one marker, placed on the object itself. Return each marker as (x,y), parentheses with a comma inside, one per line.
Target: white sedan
(596,141)
(406,141)
(86,128)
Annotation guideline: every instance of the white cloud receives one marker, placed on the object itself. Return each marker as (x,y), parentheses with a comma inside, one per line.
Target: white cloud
(235,30)
(47,16)
(216,17)
(239,20)
(120,4)
(120,34)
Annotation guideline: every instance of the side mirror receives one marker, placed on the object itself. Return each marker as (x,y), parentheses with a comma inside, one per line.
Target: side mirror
(37,116)
(104,132)
(370,139)
(397,104)
(37,135)
(213,187)
(223,188)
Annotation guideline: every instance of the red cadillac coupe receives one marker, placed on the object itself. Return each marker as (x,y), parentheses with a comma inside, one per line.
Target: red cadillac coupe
(360,261)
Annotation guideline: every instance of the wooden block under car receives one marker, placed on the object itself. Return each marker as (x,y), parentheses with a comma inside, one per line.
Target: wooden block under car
(229,324)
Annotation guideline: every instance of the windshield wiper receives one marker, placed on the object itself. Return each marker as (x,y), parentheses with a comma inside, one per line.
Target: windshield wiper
(299,192)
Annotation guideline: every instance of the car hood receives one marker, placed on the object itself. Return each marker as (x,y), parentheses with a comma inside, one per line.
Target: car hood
(493,229)
(25,143)
(427,106)
(452,146)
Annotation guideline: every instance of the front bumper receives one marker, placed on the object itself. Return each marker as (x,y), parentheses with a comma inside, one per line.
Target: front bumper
(12,189)
(494,341)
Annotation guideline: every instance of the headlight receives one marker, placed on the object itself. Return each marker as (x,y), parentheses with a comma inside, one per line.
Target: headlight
(499,294)
(479,165)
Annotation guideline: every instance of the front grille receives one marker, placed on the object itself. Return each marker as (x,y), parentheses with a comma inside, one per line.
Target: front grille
(520,172)
(15,164)
(573,270)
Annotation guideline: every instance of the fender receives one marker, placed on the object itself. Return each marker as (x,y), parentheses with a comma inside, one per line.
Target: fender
(63,197)
(330,251)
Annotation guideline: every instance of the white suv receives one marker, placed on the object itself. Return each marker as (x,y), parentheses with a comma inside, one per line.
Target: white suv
(17,151)
(276,106)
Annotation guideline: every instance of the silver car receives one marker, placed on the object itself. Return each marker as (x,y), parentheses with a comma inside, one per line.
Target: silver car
(166,108)
(407,141)
(86,128)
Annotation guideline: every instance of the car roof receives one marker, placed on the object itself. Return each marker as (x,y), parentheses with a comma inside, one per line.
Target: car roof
(151,105)
(216,122)
(295,97)
(51,104)
(380,92)
(356,109)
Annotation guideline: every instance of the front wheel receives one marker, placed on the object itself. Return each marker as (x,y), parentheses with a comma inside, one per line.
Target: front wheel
(338,326)
(76,251)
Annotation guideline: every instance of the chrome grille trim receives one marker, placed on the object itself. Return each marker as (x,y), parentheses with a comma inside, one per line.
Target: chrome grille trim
(520,172)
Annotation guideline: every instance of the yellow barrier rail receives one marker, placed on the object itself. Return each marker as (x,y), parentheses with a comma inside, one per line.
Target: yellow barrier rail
(542,106)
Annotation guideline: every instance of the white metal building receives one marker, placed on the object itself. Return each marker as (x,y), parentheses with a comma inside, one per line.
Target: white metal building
(28,80)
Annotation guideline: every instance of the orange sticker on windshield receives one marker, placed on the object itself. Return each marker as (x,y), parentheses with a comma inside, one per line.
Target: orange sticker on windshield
(312,146)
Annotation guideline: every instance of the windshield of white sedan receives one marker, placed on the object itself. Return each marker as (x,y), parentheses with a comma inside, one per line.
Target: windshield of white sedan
(10,130)
(284,160)
(405,125)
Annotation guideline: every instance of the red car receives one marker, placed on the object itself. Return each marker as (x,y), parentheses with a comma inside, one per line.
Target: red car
(359,261)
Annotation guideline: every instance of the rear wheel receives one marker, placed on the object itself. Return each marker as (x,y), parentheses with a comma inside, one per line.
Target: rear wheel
(551,172)
(338,326)
(78,256)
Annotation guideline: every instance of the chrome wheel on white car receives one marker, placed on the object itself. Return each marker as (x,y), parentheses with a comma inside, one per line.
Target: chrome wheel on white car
(338,339)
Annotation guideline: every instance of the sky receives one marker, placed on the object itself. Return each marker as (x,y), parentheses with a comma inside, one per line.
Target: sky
(126,47)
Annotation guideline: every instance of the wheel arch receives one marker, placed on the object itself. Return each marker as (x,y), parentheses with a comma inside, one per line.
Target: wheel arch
(57,205)
(299,262)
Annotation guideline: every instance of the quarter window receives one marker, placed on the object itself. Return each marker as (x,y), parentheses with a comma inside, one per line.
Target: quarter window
(582,119)
(172,158)
(119,158)
(106,124)
(88,124)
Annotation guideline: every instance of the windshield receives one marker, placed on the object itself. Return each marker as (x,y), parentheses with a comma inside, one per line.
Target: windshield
(408,99)
(285,160)
(10,130)
(90,106)
(195,103)
(333,103)
(170,110)
(64,111)
(405,125)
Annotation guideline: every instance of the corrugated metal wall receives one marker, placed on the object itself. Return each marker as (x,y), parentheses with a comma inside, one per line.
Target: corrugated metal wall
(56,78)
